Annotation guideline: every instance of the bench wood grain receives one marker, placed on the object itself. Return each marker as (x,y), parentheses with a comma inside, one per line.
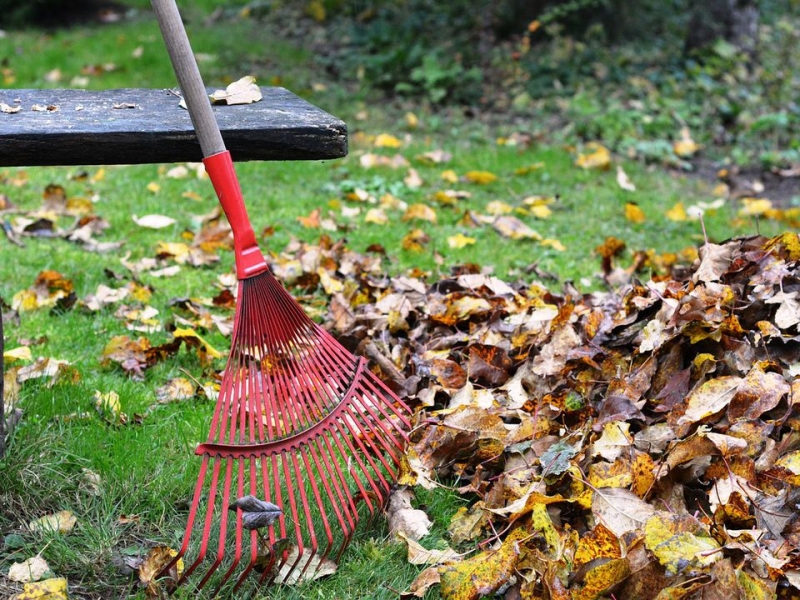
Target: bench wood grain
(139,126)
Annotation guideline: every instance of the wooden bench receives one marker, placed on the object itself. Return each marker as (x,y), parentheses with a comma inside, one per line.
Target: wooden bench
(139,126)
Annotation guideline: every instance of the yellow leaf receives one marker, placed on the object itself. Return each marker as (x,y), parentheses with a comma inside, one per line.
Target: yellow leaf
(685,146)
(20,353)
(153,187)
(187,333)
(467,523)
(529,168)
(108,404)
(541,211)
(543,524)
(415,240)
(412,122)
(62,522)
(376,216)
(754,207)
(597,157)
(330,284)
(600,542)
(480,177)
(753,588)
(449,175)
(498,207)
(386,140)
(602,578)
(554,244)
(634,213)
(155,561)
(24,301)
(483,574)
(450,197)
(421,212)
(680,542)
(677,213)
(460,241)
(49,589)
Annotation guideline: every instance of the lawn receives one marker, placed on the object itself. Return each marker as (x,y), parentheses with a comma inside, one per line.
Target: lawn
(425,190)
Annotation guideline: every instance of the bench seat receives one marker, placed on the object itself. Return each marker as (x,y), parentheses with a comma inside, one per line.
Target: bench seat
(139,126)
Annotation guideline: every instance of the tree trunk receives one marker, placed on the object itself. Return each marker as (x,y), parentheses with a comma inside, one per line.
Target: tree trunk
(735,21)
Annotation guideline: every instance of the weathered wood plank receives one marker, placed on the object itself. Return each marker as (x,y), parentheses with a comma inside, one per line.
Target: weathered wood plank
(95,128)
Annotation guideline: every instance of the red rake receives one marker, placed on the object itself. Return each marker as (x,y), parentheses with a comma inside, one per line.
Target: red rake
(303,433)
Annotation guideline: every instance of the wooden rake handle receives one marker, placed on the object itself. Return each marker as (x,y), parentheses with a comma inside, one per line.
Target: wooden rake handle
(249,259)
(189,78)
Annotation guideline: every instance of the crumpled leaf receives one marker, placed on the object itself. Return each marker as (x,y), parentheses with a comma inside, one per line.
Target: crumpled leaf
(241,91)
(157,558)
(413,523)
(256,513)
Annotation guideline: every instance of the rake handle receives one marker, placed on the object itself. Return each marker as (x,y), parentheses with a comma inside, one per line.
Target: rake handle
(189,78)
(219,165)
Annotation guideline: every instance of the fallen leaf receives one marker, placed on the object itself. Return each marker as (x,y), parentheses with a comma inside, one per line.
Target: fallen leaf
(413,523)
(680,542)
(459,241)
(32,569)
(154,221)
(176,389)
(480,177)
(420,212)
(419,555)
(423,582)
(483,574)
(303,568)
(157,558)
(512,228)
(241,91)
(634,213)
(49,589)
(386,140)
(62,522)
(685,146)
(19,353)
(596,156)
(620,510)
(624,181)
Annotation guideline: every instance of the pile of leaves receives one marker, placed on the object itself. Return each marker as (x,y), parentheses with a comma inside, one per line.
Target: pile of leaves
(641,442)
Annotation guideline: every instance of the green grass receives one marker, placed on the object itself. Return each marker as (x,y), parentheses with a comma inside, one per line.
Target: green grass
(148,469)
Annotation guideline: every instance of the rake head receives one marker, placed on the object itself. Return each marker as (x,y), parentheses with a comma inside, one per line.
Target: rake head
(302,426)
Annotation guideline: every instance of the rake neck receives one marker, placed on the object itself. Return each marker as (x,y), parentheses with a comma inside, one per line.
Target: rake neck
(249,259)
